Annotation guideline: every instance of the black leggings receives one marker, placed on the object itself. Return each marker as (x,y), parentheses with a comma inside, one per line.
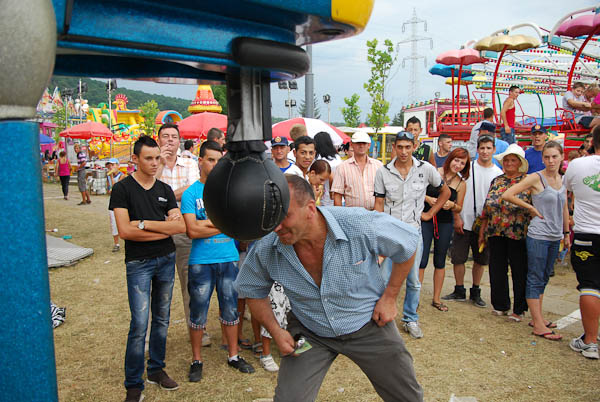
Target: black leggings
(64,182)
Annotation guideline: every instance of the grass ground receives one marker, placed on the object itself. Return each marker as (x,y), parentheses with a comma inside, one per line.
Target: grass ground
(465,352)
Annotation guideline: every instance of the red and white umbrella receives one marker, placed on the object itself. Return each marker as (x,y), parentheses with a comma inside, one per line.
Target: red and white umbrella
(85,131)
(313,126)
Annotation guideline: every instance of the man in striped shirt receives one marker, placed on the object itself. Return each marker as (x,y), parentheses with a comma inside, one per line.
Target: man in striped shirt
(354,179)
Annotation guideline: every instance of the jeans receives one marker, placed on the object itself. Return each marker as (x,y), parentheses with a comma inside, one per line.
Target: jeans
(202,280)
(149,285)
(502,252)
(508,137)
(541,255)
(64,183)
(413,286)
(440,246)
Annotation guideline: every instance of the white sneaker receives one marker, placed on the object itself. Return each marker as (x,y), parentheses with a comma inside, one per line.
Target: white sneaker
(589,350)
(268,363)
(413,329)
(206,339)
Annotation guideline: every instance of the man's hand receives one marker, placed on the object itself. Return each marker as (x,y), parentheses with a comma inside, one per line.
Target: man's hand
(426,216)
(285,342)
(506,128)
(385,310)
(458,224)
(174,217)
(165,153)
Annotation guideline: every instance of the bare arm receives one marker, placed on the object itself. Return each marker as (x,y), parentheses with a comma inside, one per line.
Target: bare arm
(379,201)
(386,308)
(261,310)
(441,200)
(337,199)
(460,198)
(173,225)
(432,158)
(128,231)
(567,238)
(510,195)
(199,229)
(179,192)
(508,104)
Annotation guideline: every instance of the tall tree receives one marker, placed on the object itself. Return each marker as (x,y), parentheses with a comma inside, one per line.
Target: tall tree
(381,62)
(352,112)
(398,119)
(220,94)
(148,111)
(59,119)
(302,108)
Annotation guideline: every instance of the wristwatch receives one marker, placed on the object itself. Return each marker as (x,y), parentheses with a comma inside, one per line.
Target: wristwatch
(141,225)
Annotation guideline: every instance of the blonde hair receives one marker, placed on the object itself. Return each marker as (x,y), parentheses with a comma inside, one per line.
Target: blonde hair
(297,131)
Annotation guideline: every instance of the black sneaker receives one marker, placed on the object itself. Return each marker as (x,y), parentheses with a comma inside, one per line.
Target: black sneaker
(242,365)
(475,297)
(134,395)
(161,378)
(455,296)
(196,371)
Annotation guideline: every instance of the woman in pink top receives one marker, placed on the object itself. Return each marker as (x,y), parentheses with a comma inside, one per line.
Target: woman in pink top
(63,169)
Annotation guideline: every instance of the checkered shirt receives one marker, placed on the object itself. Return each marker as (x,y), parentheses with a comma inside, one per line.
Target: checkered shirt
(184,173)
(352,280)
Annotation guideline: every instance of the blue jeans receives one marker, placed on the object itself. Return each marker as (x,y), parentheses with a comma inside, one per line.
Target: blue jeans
(508,137)
(413,286)
(440,246)
(202,280)
(541,255)
(149,285)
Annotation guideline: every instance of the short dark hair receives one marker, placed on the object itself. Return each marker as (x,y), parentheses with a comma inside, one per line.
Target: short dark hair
(578,85)
(62,153)
(485,138)
(488,112)
(305,139)
(413,120)
(188,144)
(589,135)
(596,137)
(143,141)
(444,136)
(213,134)
(210,145)
(512,88)
(303,191)
(168,125)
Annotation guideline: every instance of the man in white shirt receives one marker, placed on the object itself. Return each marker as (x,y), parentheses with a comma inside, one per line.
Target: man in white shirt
(483,171)
(400,188)
(304,155)
(583,180)
(488,115)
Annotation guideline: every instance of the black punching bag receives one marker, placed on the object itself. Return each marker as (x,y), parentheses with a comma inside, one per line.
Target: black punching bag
(246,196)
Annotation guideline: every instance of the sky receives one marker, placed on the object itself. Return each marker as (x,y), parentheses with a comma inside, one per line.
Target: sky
(340,67)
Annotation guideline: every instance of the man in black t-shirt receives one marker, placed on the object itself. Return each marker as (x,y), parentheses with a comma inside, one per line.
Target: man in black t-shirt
(147,215)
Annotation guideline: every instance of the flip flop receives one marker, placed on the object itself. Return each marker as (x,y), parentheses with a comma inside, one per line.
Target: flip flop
(245,344)
(546,335)
(549,325)
(440,306)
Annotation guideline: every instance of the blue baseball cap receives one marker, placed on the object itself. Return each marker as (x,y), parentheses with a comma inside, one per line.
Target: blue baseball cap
(279,141)
(538,129)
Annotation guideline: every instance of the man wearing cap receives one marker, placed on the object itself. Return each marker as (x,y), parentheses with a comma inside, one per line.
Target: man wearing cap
(400,188)
(279,151)
(488,116)
(354,179)
(534,153)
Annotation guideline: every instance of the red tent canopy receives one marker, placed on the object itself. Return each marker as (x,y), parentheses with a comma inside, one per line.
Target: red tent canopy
(87,130)
(197,125)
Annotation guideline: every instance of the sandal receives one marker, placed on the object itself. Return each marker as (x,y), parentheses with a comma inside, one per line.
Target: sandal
(440,306)
(515,317)
(245,344)
(551,336)
(549,325)
(257,349)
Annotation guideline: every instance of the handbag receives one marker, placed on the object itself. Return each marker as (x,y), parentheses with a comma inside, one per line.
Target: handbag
(477,223)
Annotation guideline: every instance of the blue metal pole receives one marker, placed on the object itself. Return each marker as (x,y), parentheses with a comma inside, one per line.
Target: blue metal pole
(26,342)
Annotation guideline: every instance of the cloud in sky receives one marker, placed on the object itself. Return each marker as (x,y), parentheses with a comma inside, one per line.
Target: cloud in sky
(340,67)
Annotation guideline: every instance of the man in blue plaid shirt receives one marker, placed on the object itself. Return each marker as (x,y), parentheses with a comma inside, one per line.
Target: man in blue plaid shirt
(327,260)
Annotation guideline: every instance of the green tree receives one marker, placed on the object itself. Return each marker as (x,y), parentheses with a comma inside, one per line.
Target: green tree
(302,108)
(381,62)
(59,120)
(148,111)
(398,119)
(352,112)
(220,94)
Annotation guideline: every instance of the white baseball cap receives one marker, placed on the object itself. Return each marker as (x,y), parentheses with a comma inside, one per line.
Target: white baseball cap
(361,136)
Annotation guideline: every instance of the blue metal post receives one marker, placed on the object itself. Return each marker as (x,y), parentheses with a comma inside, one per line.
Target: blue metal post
(26,342)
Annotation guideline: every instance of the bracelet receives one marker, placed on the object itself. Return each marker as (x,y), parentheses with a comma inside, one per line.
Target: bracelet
(566,233)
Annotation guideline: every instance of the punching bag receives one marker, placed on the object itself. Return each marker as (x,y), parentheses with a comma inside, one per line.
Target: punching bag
(246,195)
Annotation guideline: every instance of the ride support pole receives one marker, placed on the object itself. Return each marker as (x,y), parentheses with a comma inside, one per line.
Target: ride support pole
(572,70)
(458,91)
(494,82)
(453,116)
(28,35)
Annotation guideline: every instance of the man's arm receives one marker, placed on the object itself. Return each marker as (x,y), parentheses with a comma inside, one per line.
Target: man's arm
(379,203)
(508,103)
(127,231)
(337,199)
(199,229)
(261,310)
(441,200)
(179,192)
(386,307)
(337,189)
(173,225)
(431,157)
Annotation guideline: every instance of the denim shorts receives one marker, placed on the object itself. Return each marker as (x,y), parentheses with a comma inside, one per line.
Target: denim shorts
(202,280)
(541,256)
